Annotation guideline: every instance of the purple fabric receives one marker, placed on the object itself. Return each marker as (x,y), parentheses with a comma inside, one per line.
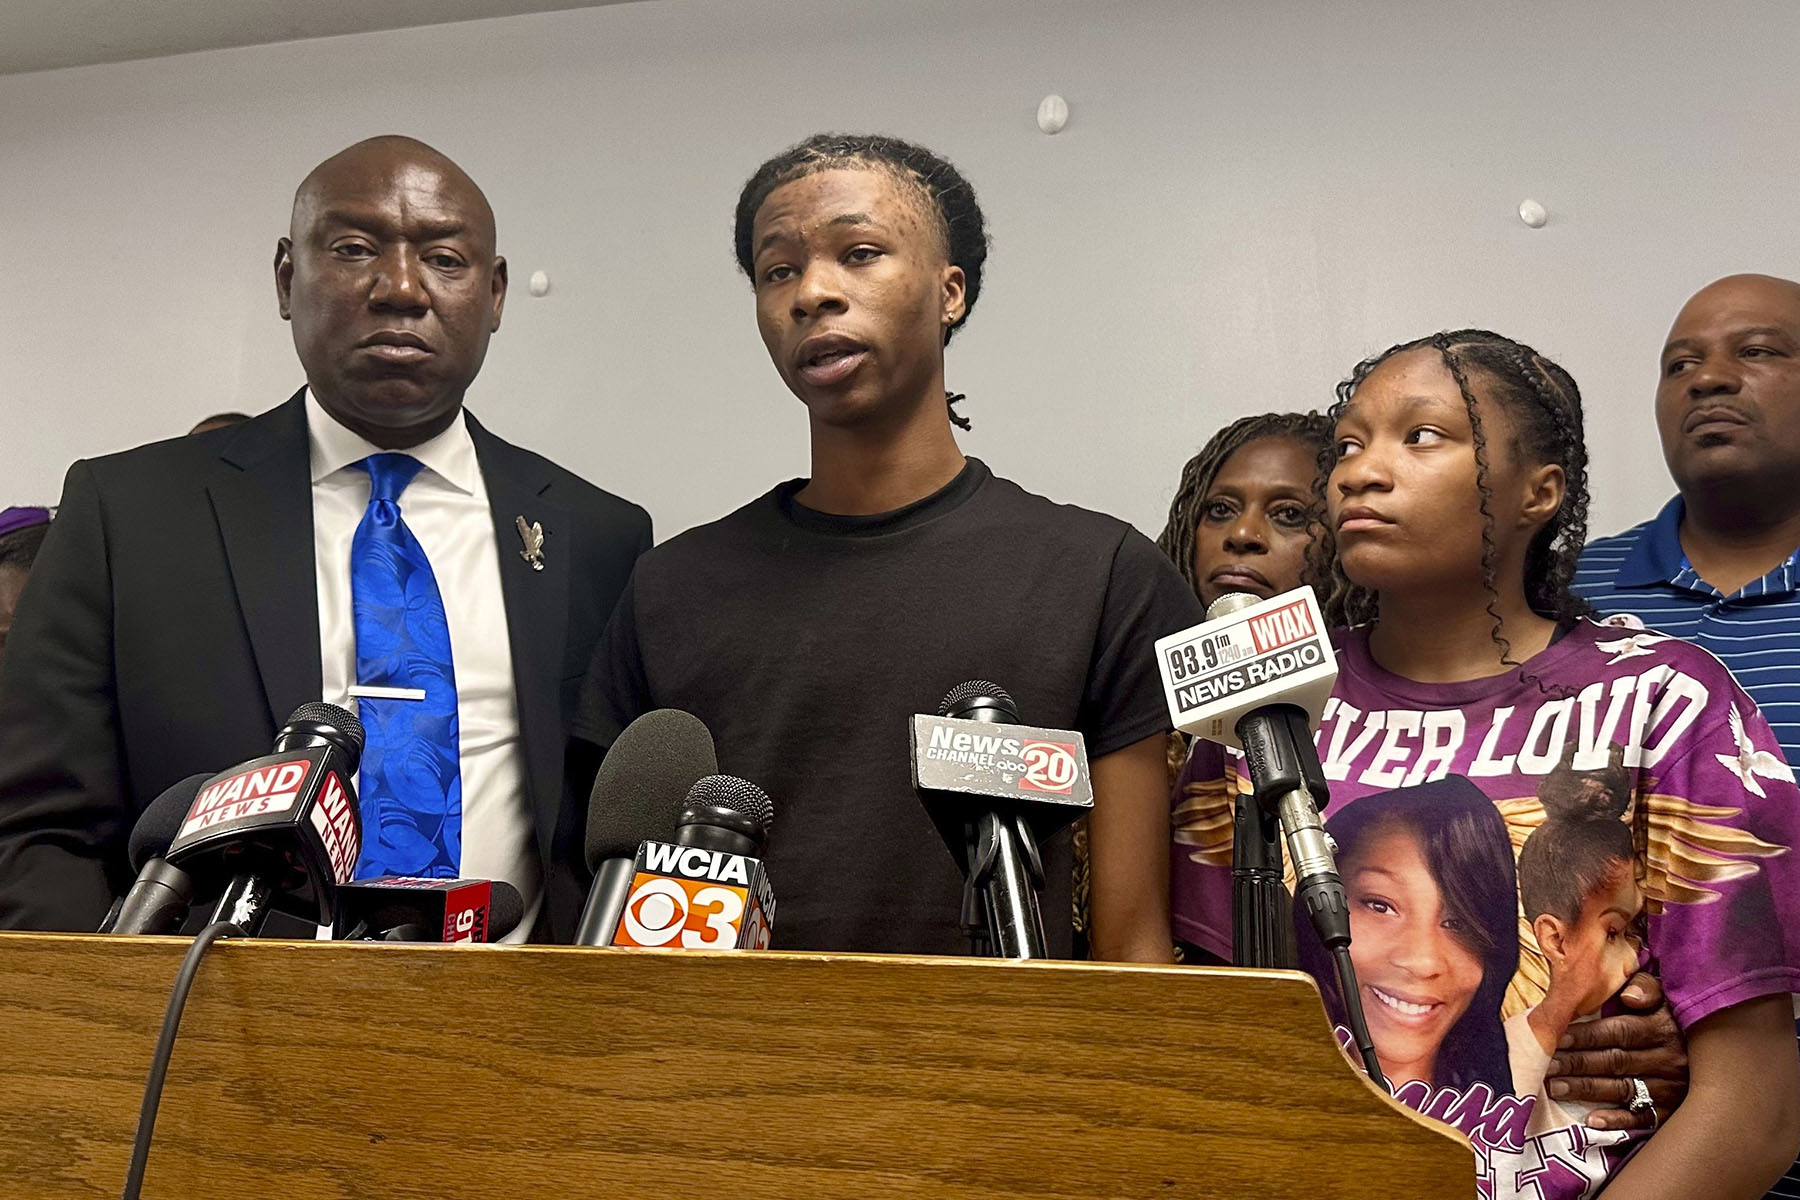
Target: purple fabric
(13,519)
(1607,725)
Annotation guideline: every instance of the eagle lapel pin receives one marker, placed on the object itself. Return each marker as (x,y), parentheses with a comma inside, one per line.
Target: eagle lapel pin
(533,537)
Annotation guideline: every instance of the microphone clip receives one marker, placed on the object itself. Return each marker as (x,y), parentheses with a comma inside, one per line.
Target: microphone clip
(1278,746)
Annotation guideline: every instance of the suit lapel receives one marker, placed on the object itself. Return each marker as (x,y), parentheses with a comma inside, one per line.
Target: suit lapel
(537,614)
(264,512)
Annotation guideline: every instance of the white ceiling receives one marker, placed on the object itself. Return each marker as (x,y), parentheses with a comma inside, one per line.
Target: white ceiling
(37,35)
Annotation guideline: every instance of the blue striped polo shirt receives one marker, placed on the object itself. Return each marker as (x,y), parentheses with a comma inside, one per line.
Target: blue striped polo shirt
(1755,631)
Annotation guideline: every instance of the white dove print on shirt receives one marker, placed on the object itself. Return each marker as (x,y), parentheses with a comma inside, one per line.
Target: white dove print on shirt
(1751,762)
(1630,647)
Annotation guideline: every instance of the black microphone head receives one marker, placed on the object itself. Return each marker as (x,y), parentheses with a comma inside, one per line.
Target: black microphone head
(979,700)
(157,827)
(327,722)
(735,795)
(505,908)
(644,781)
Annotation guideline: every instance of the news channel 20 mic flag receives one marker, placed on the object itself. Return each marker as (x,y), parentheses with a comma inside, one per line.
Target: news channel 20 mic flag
(995,789)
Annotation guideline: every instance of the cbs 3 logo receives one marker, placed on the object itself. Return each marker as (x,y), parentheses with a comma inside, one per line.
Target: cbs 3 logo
(662,910)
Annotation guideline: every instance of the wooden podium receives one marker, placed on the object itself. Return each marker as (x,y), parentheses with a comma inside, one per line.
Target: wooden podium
(353,1072)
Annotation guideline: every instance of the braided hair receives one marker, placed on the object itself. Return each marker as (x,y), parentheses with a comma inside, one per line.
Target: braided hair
(1311,430)
(1545,405)
(951,199)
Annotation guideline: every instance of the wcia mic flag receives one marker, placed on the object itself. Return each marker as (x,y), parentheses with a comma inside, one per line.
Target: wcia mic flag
(695,898)
(1273,651)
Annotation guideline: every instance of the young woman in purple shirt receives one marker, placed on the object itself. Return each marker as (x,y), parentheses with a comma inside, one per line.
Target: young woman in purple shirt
(1454,506)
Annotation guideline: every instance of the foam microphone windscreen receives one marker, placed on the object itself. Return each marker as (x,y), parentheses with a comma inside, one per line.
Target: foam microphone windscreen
(644,780)
(156,828)
(505,908)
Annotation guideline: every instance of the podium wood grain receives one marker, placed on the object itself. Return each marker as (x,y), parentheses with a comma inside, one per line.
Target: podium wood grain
(318,1070)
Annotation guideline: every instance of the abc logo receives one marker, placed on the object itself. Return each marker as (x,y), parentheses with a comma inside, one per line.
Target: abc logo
(1049,767)
(694,915)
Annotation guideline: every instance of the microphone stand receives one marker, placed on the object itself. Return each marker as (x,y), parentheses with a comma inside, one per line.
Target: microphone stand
(1261,931)
(1290,787)
(606,901)
(1005,876)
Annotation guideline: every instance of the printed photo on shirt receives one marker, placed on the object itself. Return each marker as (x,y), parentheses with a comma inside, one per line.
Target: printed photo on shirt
(1428,872)
(1580,898)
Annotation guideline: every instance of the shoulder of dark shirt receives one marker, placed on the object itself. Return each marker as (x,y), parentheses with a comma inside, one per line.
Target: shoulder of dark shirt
(1062,520)
(702,543)
(1133,553)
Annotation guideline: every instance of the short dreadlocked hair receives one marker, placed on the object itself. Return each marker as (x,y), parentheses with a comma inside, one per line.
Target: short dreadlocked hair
(19,549)
(951,201)
(1311,430)
(1545,405)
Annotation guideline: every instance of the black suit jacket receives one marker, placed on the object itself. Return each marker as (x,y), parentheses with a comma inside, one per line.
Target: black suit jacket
(171,624)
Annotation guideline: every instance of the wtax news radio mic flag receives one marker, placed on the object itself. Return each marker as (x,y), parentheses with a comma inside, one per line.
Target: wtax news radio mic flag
(1254,676)
(1244,656)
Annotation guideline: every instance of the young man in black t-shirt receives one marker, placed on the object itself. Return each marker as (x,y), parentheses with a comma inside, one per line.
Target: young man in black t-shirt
(807,627)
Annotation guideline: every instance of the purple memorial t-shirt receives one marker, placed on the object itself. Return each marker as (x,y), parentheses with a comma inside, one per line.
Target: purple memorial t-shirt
(1512,848)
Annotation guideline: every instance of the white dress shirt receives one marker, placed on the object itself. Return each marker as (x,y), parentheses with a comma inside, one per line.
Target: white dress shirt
(446,507)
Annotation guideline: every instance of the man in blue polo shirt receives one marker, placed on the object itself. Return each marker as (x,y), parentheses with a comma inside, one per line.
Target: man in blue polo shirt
(1720,564)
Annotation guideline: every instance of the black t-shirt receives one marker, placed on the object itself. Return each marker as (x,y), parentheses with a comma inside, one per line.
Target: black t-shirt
(806,641)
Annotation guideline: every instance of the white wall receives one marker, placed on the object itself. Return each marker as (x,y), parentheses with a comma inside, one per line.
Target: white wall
(1249,197)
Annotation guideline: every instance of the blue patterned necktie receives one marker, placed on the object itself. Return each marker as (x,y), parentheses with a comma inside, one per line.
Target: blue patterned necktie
(411,784)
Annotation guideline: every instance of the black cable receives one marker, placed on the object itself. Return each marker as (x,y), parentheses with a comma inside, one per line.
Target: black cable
(165,1047)
(1353,1012)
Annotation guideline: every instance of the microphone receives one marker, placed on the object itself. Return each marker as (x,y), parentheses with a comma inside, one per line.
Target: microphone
(280,832)
(706,890)
(400,908)
(638,795)
(727,814)
(1255,677)
(995,789)
(158,900)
